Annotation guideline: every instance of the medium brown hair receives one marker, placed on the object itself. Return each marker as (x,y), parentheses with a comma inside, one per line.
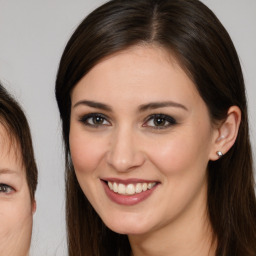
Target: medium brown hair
(12,118)
(193,34)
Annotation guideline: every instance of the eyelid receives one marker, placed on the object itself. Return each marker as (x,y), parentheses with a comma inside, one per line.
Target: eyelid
(84,118)
(167,118)
(10,188)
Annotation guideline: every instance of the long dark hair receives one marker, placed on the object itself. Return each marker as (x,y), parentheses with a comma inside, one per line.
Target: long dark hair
(194,35)
(13,119)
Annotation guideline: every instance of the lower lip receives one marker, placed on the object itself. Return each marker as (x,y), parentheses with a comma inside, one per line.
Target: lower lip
(127,199)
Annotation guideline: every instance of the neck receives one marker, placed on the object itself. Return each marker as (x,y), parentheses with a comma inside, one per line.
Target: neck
(190,234)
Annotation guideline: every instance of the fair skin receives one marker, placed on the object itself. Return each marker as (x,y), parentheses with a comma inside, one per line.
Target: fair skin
(16,209)
(137,118)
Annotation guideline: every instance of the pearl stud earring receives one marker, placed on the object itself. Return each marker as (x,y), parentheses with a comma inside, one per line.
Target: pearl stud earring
(219,153)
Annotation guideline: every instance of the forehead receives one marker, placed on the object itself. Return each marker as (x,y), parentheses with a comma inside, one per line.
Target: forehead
(10,152)
(143,73)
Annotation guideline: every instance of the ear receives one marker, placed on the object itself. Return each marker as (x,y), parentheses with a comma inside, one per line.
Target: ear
(34,206)
(226,133)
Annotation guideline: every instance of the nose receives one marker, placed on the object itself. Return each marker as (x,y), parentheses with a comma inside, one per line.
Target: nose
(125,151)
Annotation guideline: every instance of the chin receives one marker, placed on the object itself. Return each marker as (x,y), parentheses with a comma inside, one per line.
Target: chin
(127,230)
(127,227)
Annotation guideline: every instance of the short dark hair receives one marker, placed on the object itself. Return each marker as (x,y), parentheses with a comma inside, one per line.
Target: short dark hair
(196,38)
(15,123)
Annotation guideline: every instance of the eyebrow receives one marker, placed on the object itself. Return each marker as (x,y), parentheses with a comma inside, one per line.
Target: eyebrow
(8,171)
(93,104)
(155,105)
(143,107)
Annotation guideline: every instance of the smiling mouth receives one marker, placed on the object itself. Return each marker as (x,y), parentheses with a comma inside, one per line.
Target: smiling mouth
(130,189)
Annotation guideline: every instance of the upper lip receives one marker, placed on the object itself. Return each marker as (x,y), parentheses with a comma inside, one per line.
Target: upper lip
(128,181)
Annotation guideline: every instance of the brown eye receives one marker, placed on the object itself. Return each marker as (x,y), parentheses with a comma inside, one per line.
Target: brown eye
(95,120)
(160,121)
(98,120)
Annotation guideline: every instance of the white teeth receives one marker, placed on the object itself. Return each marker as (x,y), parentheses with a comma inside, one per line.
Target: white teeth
(110,185)
(130,189)
(115,187)
(144,186)
(150,185)
(138,188)
(121,189)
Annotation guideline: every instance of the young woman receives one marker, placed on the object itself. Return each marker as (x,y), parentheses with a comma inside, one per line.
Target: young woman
(18,178)
(158,157)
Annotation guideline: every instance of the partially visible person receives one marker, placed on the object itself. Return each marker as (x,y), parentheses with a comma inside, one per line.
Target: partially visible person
(18,179)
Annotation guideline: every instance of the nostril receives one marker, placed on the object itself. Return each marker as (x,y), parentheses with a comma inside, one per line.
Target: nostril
(124,153)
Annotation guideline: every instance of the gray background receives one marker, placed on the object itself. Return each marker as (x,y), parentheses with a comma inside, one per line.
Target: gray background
(33,34)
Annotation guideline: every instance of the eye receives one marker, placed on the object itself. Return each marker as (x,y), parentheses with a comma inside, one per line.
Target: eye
(159,121)
(94,120)
(6,189)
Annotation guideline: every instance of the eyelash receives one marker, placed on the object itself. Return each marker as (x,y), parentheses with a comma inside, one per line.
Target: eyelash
(6,189)
(86,120)
(91,119)
(166,119)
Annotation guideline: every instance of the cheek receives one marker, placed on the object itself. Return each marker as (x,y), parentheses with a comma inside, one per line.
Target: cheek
(170,158)
(86,152)
(180,152)
(16,224)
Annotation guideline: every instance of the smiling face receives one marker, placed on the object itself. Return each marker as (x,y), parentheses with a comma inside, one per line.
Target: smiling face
(15,203)
(140,141)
